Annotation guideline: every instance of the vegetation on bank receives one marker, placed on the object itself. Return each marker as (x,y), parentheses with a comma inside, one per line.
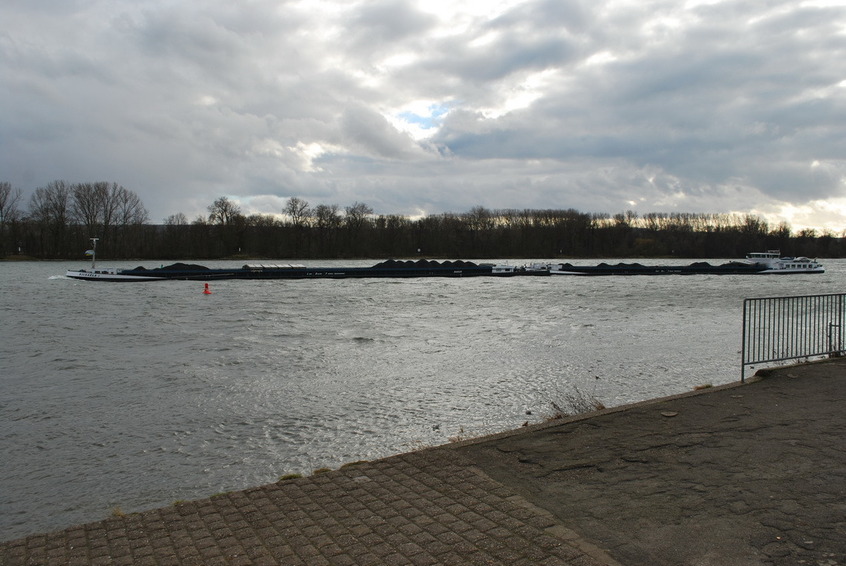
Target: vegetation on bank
(61,217)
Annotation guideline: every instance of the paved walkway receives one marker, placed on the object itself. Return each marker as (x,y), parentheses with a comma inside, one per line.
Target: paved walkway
(745,475)
(752,474)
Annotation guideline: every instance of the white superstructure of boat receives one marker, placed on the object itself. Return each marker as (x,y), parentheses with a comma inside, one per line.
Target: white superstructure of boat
(774,263)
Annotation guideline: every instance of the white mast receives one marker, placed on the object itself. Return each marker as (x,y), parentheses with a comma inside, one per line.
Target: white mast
(94,253)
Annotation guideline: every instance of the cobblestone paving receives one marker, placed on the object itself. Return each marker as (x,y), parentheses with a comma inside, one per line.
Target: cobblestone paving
(421,509)
(746,475)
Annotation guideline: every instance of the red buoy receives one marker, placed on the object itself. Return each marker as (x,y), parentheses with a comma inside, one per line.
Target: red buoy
(207,291)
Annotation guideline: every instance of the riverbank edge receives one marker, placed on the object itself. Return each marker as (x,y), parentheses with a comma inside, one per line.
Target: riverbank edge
(109,540)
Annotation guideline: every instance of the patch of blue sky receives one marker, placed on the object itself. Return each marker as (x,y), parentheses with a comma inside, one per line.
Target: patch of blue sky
(427,121)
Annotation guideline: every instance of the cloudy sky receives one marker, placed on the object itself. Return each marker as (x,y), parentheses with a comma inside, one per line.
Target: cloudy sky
(420,107)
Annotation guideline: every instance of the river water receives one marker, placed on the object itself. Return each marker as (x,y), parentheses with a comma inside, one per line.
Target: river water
(136,395)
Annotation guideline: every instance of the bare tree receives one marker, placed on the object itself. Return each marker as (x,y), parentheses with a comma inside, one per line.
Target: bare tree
(102,207)
(89,200)
(128,208)
(9,200)
(357,215)
(262,221)
(753,224)
(229,227)
(298,210)
(8,213)
(50,208)
(178,219)
(479,218)
(223,212)
(52,204)
(327,220)
(327,216)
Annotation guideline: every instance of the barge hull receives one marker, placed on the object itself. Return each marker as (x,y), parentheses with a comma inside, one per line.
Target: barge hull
(637,269)
(388,269)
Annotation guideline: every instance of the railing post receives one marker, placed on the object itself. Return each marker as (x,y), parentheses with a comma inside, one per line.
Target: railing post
(743,344)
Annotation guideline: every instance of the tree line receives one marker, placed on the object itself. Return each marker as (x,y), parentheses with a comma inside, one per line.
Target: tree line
(61,216)
(59,219)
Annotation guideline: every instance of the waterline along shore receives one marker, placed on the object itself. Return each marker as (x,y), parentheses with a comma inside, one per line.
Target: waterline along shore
(749,473)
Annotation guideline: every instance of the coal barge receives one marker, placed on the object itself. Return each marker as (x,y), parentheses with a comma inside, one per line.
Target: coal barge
(385,269)
(755,263)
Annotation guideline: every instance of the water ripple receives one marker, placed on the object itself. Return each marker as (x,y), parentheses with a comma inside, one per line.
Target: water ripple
(140,395)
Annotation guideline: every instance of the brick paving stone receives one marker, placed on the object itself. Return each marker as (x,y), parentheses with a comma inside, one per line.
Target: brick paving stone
(410,512)
(412,531)
(449,538)
(342,560)
(423,559)
(369,559)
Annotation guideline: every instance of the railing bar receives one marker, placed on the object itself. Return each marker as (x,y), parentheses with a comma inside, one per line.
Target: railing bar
(823,319)
(782,324)
(755,344)
(765,344)
(804,327)
(761,340)
(785,328)
(790,324)
(755,329)
(755,341)
(807,336)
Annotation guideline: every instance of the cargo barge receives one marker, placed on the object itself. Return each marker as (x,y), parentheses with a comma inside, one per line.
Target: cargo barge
(755,263)
(385,269)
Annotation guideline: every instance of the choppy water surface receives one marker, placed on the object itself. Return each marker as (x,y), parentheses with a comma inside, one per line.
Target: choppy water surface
(137,395)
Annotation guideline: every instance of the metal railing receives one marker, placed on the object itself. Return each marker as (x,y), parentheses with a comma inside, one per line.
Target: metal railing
(790,328)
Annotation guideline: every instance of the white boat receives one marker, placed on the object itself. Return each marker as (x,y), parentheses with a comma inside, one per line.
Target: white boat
(108,274)
(104,273)
(773,263)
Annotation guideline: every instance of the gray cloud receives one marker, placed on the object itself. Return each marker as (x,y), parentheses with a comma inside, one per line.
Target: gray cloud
(375,24)
(652,106)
